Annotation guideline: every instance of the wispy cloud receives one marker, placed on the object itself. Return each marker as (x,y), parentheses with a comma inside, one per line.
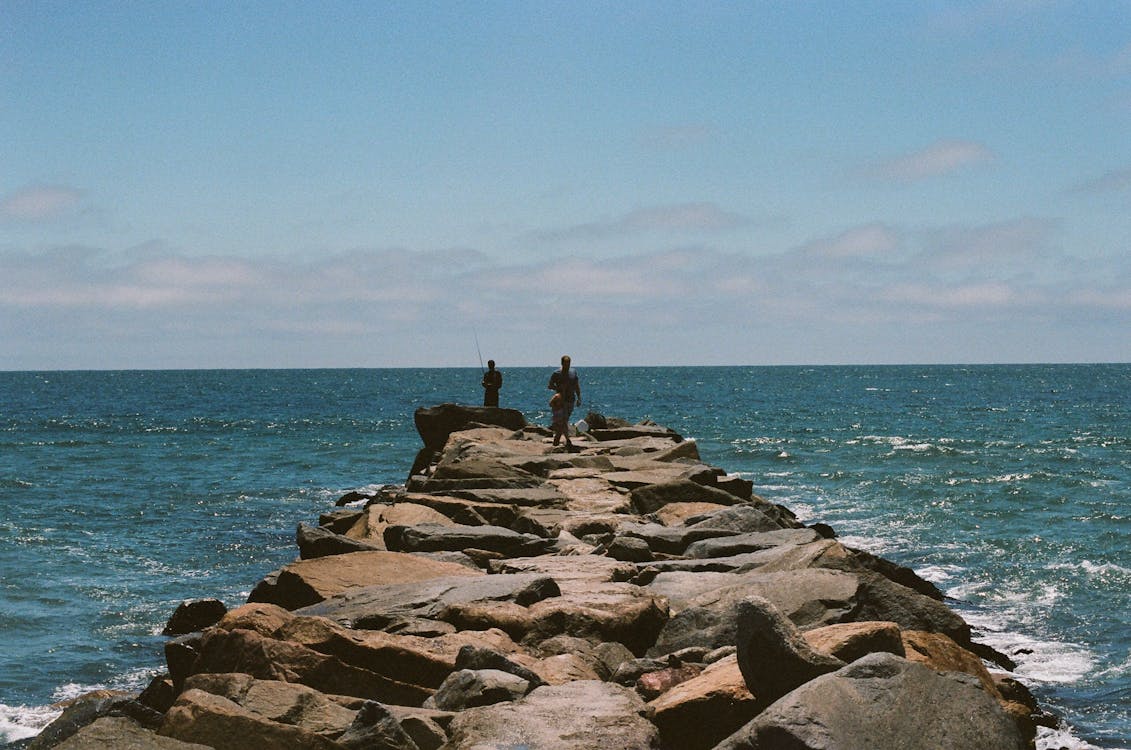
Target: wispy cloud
(1110,182)
(941,158)
(412,307)
(680,218)
(37,203)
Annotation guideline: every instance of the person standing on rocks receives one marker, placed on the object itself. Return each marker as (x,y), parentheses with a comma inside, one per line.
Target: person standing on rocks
(492,382)
(566,383)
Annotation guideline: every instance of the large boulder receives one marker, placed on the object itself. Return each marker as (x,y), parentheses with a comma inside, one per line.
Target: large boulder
(122,733)
(881,702)
(190,617)
(849,641)
(435,423)
(576,716)
(284,702)
(708,617)
(698,713)
(264,658)
(649,498)
(222,724)
(379,607)
(773,656)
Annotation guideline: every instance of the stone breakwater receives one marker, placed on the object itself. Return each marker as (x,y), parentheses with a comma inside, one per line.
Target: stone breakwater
(513,594)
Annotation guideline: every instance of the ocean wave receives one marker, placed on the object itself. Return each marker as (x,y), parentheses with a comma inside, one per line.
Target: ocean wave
(21,722)
(1063,738)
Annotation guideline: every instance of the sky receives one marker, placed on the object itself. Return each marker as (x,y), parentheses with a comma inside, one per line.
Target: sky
(387,184)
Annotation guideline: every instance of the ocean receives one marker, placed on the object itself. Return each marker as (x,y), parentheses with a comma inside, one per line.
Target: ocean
(124,493)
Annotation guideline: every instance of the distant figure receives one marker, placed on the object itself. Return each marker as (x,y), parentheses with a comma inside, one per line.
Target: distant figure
(566,383)
(492,382)
(559,420)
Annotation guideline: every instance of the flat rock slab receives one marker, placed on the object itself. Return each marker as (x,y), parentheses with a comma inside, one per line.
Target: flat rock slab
(722,545)
(882,702)
(456,538)
(576,716)
(375,606)
(307,582)
(436,423)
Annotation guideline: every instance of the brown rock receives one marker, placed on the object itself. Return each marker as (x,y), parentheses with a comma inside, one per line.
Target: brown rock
(222,724)
(698,713)
(850,640)
(307,582)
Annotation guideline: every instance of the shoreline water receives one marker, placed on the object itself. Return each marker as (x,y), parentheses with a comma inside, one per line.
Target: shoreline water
(768,454)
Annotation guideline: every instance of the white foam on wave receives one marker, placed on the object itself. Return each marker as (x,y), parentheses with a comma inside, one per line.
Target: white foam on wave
(1062,738)
(938,574)
(21,722)
(1101,570)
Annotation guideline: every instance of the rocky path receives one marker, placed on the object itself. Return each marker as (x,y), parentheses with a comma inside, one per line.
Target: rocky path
(516,595)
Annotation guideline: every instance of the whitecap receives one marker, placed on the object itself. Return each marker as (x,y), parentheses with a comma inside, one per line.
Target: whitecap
(1061,738)
(21,722)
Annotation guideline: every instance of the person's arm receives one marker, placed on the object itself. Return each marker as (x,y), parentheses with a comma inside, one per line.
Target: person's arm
(577,387)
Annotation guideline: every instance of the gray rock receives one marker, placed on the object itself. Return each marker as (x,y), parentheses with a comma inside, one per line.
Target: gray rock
(315,541)
(437,538)
(881,702)
(435,423)
(121,733)
(726,546)
(474,657)
(579,715)
(194,616)
(375,728)
(629,549)
(772,654)
(467,688)
(375,607)
(810,598)
(652,497)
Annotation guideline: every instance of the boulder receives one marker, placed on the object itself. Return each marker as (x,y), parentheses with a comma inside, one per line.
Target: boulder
(773,656)
(262,617)
(941,653)
(849,641)
(620,612)
(737,544)
(576,716)
(436,423)
(307,582)
(375,727)
(316,541)
(649,498)
(379,607)
(809,598)
(455,538)
(477,657)
(881,702)
(89,708)
(222,724)
(467,688)
(266,658)
(284,702)
(121,733)
(700,712)
(190,617)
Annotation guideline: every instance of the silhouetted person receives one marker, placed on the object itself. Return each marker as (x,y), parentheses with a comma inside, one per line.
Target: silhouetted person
(566,383)
(492,382)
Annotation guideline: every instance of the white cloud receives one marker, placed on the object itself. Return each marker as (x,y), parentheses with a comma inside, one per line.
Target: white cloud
(940,158)
(36,203)
(396,306)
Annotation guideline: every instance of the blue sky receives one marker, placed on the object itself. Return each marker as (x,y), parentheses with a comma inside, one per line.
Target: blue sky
(276,184)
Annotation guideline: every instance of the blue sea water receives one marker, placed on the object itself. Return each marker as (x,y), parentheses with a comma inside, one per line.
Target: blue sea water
(124,493)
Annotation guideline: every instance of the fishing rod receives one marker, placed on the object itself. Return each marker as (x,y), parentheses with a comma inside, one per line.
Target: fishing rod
(478,351)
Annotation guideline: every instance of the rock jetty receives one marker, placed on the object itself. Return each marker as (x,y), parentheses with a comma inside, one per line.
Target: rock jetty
(619,595)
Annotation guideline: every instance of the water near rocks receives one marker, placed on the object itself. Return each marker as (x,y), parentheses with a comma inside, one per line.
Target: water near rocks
(127,492)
